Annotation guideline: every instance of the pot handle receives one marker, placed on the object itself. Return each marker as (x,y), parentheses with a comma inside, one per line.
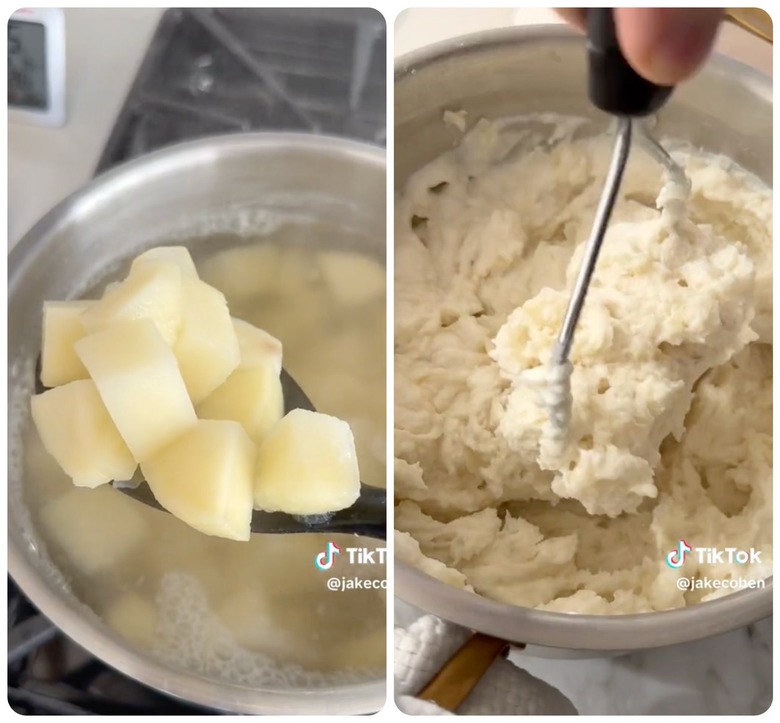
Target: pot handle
(461,673)
(757,22)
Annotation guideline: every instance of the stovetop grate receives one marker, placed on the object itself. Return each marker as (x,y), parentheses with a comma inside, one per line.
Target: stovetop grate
(211,72)
(49,674)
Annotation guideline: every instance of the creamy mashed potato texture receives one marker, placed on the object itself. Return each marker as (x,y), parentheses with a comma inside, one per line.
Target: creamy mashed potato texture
(670,436)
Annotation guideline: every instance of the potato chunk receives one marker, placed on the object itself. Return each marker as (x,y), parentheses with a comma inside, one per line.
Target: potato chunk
(352,278)
(134,618)
(178,255)
(62,328)
(247,615)
(307,465)
(252,397)
(244,272)
(257,346)
(78,432)
(139,382)
(207,348)
(152,290)
(96,529)
(205,478)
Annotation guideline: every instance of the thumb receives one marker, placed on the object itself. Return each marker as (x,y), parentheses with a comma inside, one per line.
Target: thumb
(667,45)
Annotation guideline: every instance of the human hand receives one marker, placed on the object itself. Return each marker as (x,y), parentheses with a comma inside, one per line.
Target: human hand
(664,45)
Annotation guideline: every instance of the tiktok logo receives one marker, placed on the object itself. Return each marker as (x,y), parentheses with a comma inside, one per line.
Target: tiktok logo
(676,557)
(324,560)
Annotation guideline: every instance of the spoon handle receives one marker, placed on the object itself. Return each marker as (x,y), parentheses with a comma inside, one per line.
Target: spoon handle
(367,517)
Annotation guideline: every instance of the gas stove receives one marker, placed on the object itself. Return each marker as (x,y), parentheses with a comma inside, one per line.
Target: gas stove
(211,72)
(208,72)
(48,674)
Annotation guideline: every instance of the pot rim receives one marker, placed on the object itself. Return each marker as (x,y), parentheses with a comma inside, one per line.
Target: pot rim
(77,620)
(192,151)
(573,631)
(419,58)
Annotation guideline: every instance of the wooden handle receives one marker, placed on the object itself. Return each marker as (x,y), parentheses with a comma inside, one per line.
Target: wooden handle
(461,673)
(757,22)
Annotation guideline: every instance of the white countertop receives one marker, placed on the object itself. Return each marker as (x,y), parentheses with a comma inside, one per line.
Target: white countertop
(103,50)
(729,674)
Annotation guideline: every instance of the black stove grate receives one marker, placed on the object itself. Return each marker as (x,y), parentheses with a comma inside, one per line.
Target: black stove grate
(212,72)
(50,675)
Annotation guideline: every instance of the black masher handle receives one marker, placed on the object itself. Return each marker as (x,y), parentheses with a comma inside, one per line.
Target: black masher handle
(613,85)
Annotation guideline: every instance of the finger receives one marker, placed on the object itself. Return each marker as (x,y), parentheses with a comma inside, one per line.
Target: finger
(667,45)
(573,16)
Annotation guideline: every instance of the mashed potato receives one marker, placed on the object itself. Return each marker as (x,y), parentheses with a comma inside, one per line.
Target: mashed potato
(671,429)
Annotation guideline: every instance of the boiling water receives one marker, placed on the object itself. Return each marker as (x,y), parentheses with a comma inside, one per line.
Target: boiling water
(256,613)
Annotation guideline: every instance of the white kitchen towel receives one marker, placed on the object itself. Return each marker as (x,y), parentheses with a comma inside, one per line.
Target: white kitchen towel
(422,649)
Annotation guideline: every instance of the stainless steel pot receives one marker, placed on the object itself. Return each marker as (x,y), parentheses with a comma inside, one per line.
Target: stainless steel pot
(726,109)
(236,184)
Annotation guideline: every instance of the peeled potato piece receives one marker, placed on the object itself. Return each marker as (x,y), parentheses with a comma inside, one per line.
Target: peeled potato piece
(78,432)
(252,397)
(134,618)
(257,346)
(152,290)
(178,255)
(307,465)
(244,272)
(96,529)
(205,478)
(62,328)
(207,348)
(351,277)
(250,620)
(139,382)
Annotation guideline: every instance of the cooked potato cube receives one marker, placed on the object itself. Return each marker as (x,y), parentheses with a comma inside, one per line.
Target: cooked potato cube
(205,478)
(252,397)
(134,618)
(257,346)
(207,347)
(307,466)
(247,615)
(62,328)
(152,290)
(78,432)
(95,529)
(352,278)
(178,255)
(243,273)
(140,383)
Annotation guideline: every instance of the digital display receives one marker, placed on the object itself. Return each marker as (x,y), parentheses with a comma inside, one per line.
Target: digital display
(27,82)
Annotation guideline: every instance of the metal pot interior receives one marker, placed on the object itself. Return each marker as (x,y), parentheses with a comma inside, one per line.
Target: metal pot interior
(289,189)
(725,110)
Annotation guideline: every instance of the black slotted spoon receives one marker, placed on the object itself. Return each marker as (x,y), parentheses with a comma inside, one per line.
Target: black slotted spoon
(366,517)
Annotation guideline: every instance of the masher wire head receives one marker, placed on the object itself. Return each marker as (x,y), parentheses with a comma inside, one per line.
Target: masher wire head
(607,201)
